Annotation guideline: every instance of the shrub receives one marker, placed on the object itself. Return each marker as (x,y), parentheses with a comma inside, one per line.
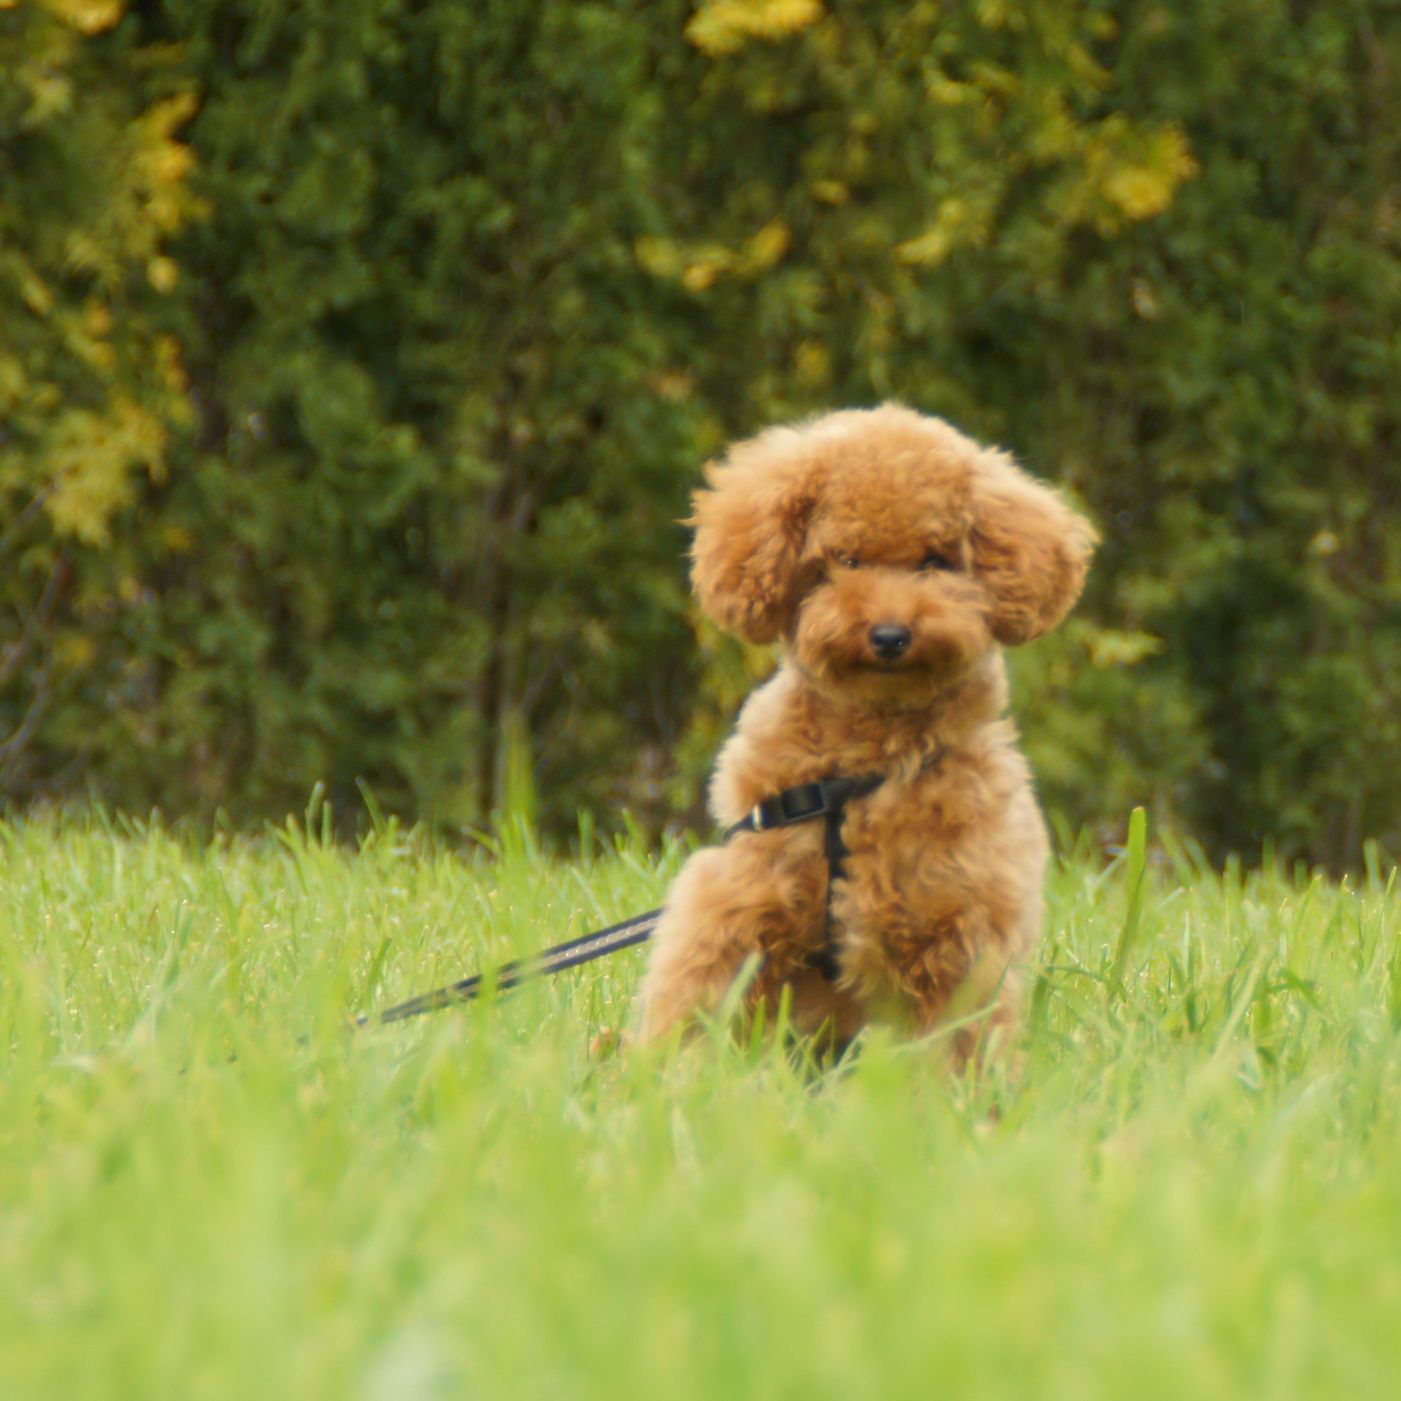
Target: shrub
(481,286)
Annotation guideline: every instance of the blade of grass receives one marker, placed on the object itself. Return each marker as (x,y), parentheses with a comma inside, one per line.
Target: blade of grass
(1135,860)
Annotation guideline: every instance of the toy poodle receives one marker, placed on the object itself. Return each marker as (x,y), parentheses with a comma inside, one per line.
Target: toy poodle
(892,557)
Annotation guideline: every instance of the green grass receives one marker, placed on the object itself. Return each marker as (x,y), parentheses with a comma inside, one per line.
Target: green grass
(209,1189)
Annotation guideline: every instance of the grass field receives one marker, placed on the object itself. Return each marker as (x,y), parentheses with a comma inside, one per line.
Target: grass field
(209,1189)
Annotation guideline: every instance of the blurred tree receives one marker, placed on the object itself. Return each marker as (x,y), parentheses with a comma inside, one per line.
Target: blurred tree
(429,519)
(1234,403)
(1153,248)
(481,286)
(93,184)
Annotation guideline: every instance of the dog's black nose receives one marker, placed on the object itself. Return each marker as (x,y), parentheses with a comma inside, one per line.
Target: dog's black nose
(889,640)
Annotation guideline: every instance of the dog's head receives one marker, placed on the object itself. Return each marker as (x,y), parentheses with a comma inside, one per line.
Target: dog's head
(890,551)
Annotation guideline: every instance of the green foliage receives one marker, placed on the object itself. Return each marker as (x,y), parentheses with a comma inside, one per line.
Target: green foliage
(430,504)
(374,472)
(1153,249)
(212,1190)
(1234,409)
(93,184)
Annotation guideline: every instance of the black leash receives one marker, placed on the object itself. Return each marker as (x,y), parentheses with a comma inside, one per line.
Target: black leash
(827,798)
(584,949)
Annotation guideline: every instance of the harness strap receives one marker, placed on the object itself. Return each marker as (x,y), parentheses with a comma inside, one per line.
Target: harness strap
(827,798)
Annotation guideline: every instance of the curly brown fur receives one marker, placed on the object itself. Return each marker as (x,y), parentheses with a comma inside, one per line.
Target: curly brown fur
(816,535)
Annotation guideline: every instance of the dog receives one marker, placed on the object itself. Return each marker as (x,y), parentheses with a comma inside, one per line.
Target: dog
(893,558)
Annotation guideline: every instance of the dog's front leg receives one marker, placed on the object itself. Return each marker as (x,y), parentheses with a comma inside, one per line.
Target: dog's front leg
(755,896)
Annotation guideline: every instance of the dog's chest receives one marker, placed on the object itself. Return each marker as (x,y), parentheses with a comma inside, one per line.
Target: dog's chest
(902,828)
(907,841)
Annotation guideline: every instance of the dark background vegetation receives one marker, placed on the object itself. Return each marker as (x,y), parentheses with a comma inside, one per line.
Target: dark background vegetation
(357,358)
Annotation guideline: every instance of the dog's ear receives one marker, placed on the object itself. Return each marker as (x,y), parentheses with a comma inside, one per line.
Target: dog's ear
(751,525)
(1030,550)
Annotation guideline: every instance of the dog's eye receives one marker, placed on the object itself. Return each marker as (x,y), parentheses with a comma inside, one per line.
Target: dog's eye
(934,560)
(849,562)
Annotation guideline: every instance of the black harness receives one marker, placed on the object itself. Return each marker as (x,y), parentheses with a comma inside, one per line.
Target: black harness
(826,798)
